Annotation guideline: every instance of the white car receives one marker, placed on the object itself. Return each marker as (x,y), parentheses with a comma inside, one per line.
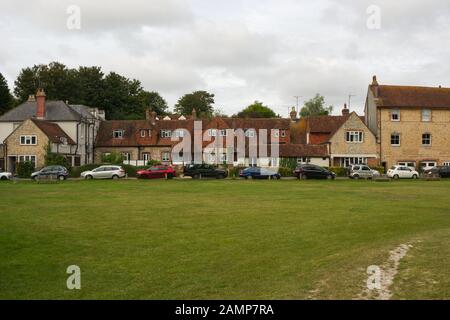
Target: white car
(402,172)
(5,175)
(104,172)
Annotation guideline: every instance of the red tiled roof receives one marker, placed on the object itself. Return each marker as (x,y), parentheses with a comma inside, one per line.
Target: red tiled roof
(303,150)
(410,96)
(53,131)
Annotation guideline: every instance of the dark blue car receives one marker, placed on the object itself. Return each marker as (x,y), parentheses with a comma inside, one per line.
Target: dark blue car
(259,173)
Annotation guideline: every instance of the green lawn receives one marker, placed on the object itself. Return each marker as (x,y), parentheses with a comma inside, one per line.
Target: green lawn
(221,239)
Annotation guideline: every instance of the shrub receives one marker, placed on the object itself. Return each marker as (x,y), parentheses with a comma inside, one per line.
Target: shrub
(76,171)
(113,158)
(25,169)
(379,169)
(131,170)
(233,172)
(55,159)
(290,163)
(340,172)
(152,162)
(285,172)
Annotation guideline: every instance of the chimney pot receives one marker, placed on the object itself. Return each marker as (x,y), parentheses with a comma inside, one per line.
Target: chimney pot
(31,98)
(345,110)
(40,104)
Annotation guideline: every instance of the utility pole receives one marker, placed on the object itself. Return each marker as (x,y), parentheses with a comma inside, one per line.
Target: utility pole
(297,97)
(350,98)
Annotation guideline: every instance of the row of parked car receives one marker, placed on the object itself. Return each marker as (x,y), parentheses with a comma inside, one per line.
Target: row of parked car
(197,171)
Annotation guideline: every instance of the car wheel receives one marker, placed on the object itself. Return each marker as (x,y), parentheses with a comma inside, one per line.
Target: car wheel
(169,175)
(4,178)
(278,177)
(414,176)
(196,176)
(304,177)
(396,177)
(329,177)
(115,177)
(61,178)
(356,177)
(221,176)
(89,177)
(35,178)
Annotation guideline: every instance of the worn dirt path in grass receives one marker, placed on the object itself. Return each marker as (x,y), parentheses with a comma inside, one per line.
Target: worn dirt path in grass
(387,273)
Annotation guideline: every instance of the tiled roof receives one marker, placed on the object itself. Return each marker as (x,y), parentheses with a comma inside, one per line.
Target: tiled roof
(325,124)
(303,150)
(409,96)
(54,111)
(53,131)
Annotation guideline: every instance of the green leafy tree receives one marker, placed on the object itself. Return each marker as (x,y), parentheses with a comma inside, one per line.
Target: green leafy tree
(316,107)
(202,101)
(257,110)
(154,101)
(6,99)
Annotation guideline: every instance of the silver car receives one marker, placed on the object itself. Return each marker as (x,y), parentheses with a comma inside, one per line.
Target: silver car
(362,172)
(104,172)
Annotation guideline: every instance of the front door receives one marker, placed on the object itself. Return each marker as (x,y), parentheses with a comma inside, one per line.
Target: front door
(12,164)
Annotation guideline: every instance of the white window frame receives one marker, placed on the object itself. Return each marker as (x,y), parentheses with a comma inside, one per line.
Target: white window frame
(406,164)
(397,113)
(223,132)
(426,115)
(354,136)
(446,163)
(27,157)
(283,133)
(166,133)
(303,160)
(165,156)
(146,156)
(276,133)
(118,133)
(28,140)
(143,133)
(250,133)
(399,139)
(429,139)
(212,132)
(223,157)
(179,133)
(126,156)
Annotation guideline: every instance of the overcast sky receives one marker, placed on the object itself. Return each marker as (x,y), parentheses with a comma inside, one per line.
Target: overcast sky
(239,50)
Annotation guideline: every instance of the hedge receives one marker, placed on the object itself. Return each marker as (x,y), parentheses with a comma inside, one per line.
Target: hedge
(25,169)
(285,172)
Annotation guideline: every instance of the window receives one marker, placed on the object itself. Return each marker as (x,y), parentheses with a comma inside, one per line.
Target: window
(446,164)
(146,156)
(126,156)
(28,140)
(250,133)
(212,132)
(223,157)
(276,133)
(166,133)
(354,136)
(426,139)
(345,162)
(179,133)
(143,133)
(283,133)
(223,133)
(426,115)
(303,160)
(165,156)
(395,139)
(118,134)
(28,158)
(407,164)
(395,115)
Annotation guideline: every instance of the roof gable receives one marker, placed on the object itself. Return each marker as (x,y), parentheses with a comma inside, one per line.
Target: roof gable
(54,111)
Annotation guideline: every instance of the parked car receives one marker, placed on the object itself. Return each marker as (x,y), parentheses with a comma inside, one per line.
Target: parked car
(104,172)
(156,172)
(311,171)
(362,171)
(5,175)
(441,172)
(197,171)
(402,172)
(58,172)
(259,173)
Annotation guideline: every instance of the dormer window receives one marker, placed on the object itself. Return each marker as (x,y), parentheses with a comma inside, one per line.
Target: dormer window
(223,133)
(166,133)
(212,132)
(179,133)
(118,134)
(143,133)
(395,115)
(283,133)
(250,133)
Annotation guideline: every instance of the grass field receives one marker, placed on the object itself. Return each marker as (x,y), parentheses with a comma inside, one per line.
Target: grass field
(221,239)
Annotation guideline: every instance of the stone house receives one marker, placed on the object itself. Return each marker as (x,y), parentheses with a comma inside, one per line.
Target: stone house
(28,142)
(411,124)
(348,138)
(79,122)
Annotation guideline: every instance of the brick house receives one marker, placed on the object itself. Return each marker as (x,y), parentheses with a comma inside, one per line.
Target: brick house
(79,122)
(29,140)
(348,138)
(411,124)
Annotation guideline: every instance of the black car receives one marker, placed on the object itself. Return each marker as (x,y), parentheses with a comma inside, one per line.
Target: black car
(259,173)
(50,172)
(311,171)
(441,172)
(198,171)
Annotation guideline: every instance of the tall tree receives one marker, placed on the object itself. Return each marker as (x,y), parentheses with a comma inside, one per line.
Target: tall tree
(6,99)
(90,86)
(316,107)
(202,101)
(257,110)
(154,101)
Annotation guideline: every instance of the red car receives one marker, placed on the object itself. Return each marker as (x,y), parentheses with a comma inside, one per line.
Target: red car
(156,172)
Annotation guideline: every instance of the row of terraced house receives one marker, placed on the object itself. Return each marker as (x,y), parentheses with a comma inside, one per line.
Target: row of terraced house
(404,125)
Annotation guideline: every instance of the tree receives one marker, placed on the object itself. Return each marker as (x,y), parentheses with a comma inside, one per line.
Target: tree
(202,101)
(154,101)
(316,107)
(6,99)
(257,110)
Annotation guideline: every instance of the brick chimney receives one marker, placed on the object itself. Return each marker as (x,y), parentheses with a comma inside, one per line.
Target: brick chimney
(345,110)
(153,118)
(374,86)
(293,114)
(147,113)
(40,103)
